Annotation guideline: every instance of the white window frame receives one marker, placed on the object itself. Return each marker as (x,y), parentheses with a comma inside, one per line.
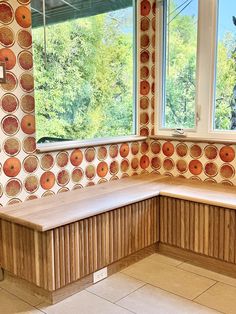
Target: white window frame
(205,73)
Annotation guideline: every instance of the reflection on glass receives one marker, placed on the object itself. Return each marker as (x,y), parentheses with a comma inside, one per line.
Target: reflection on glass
(225,100)
(85,89)
(180,65)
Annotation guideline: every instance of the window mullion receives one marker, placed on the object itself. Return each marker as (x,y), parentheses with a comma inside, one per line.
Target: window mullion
(206,65)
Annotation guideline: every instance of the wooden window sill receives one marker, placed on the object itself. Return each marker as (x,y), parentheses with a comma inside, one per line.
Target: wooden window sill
(57,146)
(194,139)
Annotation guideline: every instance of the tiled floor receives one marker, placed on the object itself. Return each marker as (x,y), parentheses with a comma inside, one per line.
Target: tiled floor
(157,284)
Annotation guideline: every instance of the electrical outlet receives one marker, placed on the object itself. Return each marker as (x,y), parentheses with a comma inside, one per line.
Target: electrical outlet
(2,72)
(100,275)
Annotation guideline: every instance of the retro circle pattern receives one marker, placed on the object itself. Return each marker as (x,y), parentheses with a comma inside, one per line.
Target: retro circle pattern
(26,175)
(146,58)
(198,161)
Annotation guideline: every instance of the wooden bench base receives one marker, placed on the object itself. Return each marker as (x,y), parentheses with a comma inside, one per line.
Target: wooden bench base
(56,260)
(201,228)
(197,221)
(56,296)
(210,263)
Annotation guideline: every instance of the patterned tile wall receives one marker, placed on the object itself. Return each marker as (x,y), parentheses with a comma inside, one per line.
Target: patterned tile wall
(24,173)
(146,21)
(198,161)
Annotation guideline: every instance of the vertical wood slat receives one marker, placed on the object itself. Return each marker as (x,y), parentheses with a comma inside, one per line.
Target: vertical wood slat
(55,258)
(201,228)
(68,253)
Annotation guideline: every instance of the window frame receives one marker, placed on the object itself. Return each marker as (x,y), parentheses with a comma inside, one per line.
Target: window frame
(207,42)
(134,136)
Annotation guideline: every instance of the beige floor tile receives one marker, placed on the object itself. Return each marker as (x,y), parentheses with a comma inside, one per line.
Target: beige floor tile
(149,299)
(83,302)
(220,297)
(116,287)
(165,259)
(11,286)
(169,278)
(10,304)
(209,274)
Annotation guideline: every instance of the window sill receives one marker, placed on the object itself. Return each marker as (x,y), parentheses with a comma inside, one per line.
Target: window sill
(52,147)
(194,139)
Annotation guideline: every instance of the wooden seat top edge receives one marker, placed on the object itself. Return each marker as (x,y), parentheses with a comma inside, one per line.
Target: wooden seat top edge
(49,213)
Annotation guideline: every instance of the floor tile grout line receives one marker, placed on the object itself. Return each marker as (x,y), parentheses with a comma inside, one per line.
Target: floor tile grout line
(109,301)
(40,310)
(144,284)
(180,296)
(192,272)
(211,308)
(21,299)
(190,300)
(150,256)
(216,282)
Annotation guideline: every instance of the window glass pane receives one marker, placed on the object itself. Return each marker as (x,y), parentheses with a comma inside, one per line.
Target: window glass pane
(180,64)
(85,88)
(225,101)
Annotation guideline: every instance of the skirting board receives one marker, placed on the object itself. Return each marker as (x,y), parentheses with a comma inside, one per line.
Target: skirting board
(200,260)
(79,285)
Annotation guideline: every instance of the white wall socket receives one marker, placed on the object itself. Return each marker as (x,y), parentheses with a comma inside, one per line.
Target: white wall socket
(100,275)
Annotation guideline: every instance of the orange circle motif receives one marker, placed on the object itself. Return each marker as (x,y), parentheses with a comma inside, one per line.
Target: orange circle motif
(144,162)
(145,7)
(47,162)
(23,16)
(76,157)
(102,169)
(168,149)
(211,152)
(77,175)
(211,169)
(227,154)
(11,82)
(12,146)
(47,180)
(12,167)
(195,151)
(24,39)
(195,167)
(6,13)
(8,57)
(6,36)
(124,150)
(28,124)
(9,103)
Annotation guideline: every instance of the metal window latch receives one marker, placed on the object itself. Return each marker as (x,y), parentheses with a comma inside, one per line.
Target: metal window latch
(179,132)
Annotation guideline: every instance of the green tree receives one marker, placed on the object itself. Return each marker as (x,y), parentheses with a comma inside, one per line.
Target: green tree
(86,88)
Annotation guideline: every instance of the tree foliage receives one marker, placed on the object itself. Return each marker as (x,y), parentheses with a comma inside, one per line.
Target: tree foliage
(86,88)
(181,74)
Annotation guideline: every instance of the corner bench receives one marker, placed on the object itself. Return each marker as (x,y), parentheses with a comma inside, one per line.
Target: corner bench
(56,243)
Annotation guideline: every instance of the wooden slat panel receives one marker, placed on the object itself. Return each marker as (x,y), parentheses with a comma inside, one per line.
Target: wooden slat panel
(232,236)
(201,228)
(56,258)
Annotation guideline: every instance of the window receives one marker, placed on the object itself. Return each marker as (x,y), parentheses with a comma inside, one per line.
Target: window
(84,68)
(225,101)
(197,72)
(180,61)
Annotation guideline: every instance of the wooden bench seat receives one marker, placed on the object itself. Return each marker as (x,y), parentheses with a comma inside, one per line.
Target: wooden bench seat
(48,213)
(61,240)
